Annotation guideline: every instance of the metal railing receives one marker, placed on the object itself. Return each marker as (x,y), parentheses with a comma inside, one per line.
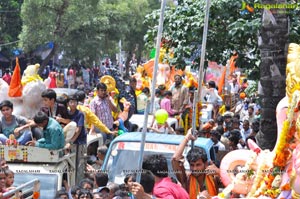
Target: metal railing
(32,187)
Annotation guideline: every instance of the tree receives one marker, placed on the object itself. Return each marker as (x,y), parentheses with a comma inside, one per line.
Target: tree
(273,49)
(126,23)
(10,25)
(83,30)
(70,24)
(229,29)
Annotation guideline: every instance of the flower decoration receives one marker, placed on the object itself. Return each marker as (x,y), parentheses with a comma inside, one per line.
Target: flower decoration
(286,187)
(36,195)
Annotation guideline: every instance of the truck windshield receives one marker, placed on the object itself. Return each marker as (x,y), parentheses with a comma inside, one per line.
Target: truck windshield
(124,158)
(48,183)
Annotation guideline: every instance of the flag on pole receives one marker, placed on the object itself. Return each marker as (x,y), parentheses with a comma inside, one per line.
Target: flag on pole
(15,88)
(222,81)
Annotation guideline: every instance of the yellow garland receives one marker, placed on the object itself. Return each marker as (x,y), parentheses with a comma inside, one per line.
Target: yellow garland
(281,155)
(259,184)
(262,181)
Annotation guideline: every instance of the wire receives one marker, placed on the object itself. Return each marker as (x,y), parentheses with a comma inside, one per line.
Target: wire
(6,44)
(5,11)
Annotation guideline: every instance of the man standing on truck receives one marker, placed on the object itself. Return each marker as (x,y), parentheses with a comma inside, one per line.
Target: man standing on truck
(103,107)
(180,95)
(200,180)
(79,138)
(89,116)
(53,108)
(53,133)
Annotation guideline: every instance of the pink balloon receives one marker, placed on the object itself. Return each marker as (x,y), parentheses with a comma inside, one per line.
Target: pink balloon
(230,166)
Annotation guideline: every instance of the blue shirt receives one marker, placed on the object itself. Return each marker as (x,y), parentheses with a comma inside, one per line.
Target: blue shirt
(53,136)
(78,117)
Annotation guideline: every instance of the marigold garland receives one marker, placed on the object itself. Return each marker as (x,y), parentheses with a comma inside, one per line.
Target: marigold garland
(286,187)
(282,151)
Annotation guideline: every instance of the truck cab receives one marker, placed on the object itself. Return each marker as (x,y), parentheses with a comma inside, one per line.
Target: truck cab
(123,154)
(50,167)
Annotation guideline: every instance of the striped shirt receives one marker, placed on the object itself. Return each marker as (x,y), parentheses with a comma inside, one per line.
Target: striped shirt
(101,108)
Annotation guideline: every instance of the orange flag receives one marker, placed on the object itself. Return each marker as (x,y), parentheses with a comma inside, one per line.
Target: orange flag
(232,63)
(149,66)
(222,81)
(15,88)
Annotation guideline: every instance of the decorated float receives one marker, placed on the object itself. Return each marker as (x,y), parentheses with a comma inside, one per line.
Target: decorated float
(24,92)
(260,173)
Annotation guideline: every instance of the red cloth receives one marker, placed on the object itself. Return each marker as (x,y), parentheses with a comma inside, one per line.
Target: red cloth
(52,76)
(167,189)
(71,72)
(7,78)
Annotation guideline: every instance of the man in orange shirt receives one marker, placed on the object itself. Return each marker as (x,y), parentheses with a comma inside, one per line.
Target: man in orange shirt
(200,181)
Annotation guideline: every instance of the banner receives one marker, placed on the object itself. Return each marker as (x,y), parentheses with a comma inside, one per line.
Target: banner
(214,72)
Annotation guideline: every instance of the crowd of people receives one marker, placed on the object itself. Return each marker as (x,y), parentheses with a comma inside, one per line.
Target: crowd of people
(65,121)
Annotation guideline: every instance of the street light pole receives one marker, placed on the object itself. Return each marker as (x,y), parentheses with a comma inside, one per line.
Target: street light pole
(197,95)
(159,34)
(120,58)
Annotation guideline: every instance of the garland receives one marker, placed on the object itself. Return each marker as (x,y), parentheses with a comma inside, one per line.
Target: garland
(268,183)
(283,153)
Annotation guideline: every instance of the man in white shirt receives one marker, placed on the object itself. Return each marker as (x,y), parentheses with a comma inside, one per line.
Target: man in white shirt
(215,137)
(211,96)
(245,131)
(234,86)
(250,116)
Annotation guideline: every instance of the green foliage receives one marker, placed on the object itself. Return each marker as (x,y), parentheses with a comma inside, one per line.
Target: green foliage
(83,30)
(294,16)
(252,88)
(125,23)
(10,24)
(228,30)
(70,24)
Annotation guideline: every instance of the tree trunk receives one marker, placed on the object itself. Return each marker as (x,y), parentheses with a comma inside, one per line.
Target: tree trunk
(273,45)
(59,32)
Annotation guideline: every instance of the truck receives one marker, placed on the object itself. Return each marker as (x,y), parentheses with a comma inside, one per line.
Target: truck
(50,167)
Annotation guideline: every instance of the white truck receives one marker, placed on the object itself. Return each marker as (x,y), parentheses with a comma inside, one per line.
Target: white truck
(49,167)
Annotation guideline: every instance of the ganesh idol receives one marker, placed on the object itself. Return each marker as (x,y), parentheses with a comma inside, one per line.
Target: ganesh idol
(271,174)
